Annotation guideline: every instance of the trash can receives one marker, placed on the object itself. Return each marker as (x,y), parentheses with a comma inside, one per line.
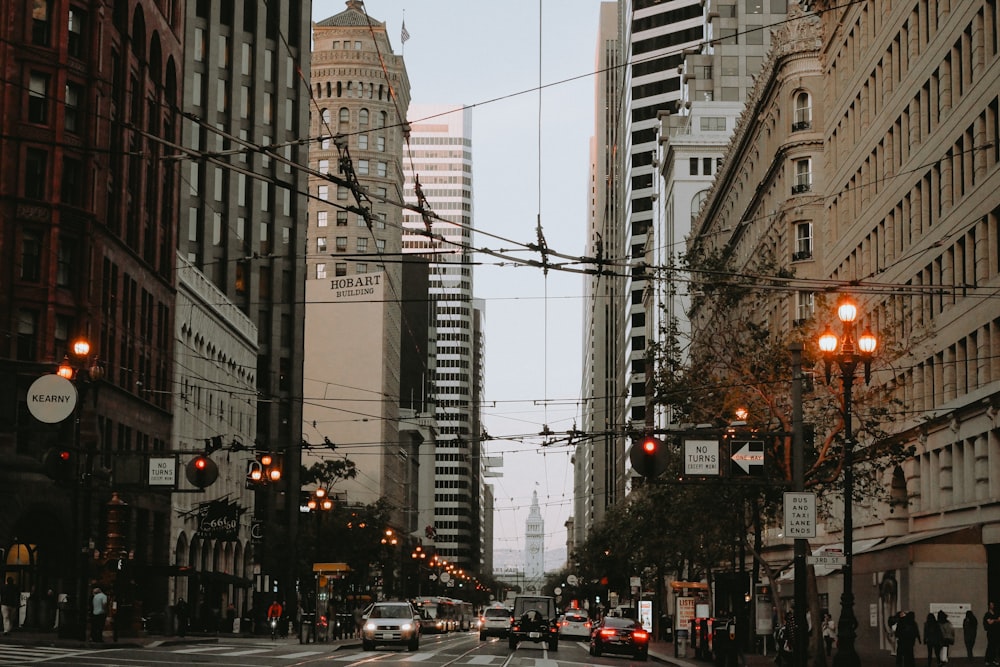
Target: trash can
(681,643)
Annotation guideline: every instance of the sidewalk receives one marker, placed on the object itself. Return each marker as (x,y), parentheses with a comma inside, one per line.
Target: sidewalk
(664,651)
(52,638)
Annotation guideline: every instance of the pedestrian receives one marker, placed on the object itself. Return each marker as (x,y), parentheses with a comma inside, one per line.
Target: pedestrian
(181,613)
(907,636)
(98,615)
(10,602)
(932,639)
(829,632)
(947,635)
(991,624)
(970,627)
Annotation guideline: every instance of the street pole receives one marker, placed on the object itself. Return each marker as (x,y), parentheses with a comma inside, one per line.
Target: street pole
(798,481)
(847,655)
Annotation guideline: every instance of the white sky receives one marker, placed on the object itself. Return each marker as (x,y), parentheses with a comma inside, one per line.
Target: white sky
(472,52)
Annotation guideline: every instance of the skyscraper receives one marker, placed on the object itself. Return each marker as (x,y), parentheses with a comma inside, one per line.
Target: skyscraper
(438,168)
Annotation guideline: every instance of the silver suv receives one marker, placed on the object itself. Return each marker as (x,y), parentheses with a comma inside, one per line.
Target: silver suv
(495,622)
(391,623)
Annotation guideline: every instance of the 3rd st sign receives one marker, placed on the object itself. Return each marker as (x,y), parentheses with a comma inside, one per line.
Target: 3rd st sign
(51,398)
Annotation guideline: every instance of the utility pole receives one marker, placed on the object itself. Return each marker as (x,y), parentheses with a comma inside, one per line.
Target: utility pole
(798,481)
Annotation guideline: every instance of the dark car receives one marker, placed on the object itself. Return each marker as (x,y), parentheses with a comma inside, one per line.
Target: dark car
(535,620)
(620,635)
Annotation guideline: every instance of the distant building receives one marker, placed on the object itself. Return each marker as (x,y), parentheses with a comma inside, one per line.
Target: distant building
(534,547)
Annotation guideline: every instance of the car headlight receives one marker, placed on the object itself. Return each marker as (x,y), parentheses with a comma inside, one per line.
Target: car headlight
(369,626)
(406,627)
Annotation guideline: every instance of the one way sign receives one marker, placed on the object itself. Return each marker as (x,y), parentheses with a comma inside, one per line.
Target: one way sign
(747,458)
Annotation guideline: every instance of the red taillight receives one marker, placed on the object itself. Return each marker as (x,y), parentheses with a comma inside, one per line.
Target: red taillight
(640,635)
(608,632)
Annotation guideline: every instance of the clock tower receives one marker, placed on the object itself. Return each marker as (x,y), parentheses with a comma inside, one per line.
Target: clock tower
(534,540)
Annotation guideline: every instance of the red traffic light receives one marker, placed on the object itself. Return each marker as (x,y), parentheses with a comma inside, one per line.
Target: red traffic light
(59,464)
(648,457)
(201,471)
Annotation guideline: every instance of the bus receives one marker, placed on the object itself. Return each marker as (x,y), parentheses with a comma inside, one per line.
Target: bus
(439,614)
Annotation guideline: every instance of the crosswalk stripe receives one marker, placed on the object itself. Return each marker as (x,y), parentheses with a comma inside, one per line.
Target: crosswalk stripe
(301,654)
(481,660)
(249,651)
(205,649)
(418,657)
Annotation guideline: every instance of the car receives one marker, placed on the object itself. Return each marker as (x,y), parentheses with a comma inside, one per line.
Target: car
(495,622)
(535,620)
(574,624)
(391,622)
(620,635)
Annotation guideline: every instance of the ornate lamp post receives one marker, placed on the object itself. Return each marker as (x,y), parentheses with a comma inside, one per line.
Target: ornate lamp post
(847,352)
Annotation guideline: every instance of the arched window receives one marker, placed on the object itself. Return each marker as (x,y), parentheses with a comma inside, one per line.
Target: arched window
(696,203)
(325,115)
(344,120)
(802,120)
(363,118)
(380,119)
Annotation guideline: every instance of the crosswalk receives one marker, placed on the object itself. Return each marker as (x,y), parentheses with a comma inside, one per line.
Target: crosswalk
(234,651)
(13,654)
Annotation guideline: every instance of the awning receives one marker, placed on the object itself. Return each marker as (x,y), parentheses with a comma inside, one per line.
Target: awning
(331,567)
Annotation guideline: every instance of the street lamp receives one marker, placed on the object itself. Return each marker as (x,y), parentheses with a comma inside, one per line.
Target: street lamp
(847,353)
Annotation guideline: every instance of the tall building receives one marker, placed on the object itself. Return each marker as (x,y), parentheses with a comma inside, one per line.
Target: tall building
(355,319)
(868,159)
(654,37)
(438,170)
(88,203)
(243,213)
(599,462)
(534,547)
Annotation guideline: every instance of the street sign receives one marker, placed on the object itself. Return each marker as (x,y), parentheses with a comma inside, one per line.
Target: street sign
(747,458)
(800,514)
(826,559)
(51,398)
(701,457)
(162,471)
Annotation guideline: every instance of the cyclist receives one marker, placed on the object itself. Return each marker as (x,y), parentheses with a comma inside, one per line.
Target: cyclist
(274,617)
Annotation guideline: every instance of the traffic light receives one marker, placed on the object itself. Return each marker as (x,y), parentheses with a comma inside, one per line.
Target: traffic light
(648,456)
(201,471)
(60,464)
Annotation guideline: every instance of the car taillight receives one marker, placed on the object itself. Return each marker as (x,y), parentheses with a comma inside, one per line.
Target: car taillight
(608,632)
(640,635)
(587,625)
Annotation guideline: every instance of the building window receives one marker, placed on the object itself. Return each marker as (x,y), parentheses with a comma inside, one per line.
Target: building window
(323,192)
(706,166)
(35,176)
(321,270)
(341,244)
(362,167)
(380,144)
(803,241)
(754,6)
(362,244)
(324,166)
(804,306)
(340,269)
(40,22)
(802,119)
(693,166)
(361,268)
(363,142)
(321,244)
(27,335)
(713,124)
(38,98)
(321,218)
(382,169)
(363,118)
(31,256)
(66,263)
(380,245)
(696,204)
(344,119)
(77,20)
(74,95)
(803,176)
(72,182)
(341,193)
(341,218)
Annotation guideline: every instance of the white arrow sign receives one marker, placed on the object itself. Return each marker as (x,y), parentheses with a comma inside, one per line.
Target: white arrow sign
(750,457)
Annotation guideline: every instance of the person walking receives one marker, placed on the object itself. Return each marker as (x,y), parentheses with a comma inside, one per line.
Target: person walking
(181,613)
(932,639)
(947,636)
(829,632)
(10,602)
(991,624)
(98,615)
(907,636)
(970,627)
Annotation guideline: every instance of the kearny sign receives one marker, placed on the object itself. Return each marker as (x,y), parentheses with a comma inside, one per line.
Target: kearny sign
(51,398)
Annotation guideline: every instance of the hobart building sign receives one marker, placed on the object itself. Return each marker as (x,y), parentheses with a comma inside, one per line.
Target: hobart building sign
(357,287)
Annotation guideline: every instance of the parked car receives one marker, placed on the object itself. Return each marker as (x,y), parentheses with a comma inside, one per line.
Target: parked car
(495,622)
(391,623)
(535,620)
(620,635)
(575,624)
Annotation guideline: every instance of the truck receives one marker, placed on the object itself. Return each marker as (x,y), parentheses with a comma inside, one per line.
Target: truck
(535,619)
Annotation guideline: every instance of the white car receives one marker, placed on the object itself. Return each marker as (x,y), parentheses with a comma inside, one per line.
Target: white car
(391,623)
(575,624)
(495,621)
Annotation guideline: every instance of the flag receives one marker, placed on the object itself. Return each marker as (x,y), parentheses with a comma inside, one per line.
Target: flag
(404,34)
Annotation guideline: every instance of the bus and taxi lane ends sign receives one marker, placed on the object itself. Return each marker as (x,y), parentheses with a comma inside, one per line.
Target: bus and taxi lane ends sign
(800,514)
(701,457)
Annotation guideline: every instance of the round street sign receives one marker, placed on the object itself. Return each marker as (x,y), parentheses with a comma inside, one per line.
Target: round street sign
(445,577)
(557,590)
(51,398)
(571,580)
